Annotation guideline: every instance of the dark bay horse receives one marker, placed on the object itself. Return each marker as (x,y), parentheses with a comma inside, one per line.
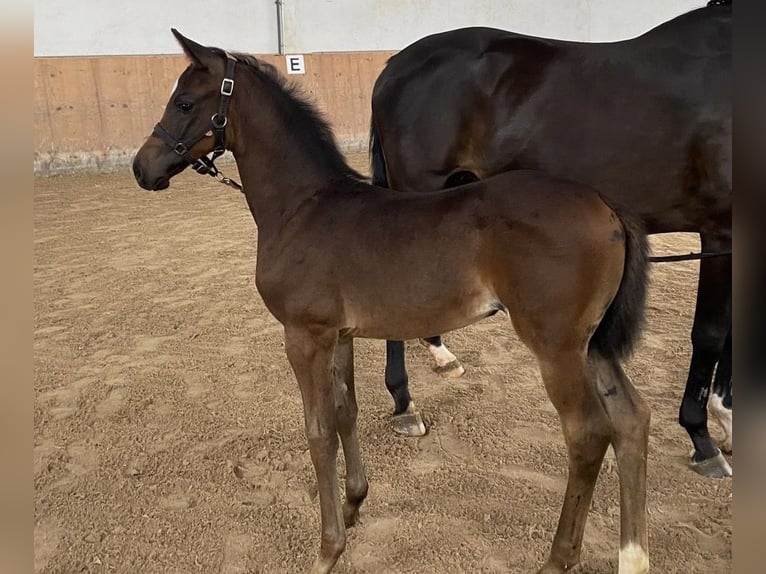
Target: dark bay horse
(335,262)
(646,121)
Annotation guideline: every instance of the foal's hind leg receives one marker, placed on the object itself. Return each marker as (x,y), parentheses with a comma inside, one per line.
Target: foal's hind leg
(346,409)
(629,419)
(587,432)
(311,357)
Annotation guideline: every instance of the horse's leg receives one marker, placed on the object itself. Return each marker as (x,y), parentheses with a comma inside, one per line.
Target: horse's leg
(346,409)
(406,420)
(311,357)
(629,418)
(587,432)
(712,320)
(720,401)
(447,364)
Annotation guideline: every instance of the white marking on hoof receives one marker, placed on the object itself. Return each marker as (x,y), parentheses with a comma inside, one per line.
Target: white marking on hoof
(633,560)
(724,417)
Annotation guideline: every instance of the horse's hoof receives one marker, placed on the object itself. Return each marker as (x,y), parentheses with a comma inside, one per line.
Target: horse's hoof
(713,467)
(409,423)
(451,370)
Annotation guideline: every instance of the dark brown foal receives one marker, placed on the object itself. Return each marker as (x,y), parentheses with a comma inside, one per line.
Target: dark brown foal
(333,252)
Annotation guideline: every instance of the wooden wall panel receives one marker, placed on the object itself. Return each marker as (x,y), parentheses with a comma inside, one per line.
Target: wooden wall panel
(94,112)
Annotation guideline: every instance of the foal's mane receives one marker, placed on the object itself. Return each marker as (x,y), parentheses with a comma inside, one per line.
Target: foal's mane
(306,121)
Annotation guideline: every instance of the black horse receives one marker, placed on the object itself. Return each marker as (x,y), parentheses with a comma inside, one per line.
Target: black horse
(646,121)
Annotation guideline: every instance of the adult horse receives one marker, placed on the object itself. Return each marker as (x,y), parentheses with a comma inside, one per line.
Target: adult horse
(332,250)
(646,121)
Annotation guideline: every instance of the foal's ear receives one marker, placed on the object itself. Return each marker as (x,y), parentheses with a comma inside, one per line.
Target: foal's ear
(198,54)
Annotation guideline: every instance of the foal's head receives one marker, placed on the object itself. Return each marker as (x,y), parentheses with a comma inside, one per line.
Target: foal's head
(192,125)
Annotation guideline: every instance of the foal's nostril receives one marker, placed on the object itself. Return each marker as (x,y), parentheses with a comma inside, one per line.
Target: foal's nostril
(138,173)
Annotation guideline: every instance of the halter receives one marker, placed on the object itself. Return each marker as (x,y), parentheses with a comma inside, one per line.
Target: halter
(206,165)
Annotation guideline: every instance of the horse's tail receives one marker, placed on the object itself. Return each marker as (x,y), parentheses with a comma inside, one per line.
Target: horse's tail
(377,159)
(620,328)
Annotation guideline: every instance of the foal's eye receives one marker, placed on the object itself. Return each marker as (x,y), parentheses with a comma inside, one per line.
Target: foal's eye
(184,106)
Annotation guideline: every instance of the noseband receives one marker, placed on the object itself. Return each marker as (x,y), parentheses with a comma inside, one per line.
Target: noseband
(206,165)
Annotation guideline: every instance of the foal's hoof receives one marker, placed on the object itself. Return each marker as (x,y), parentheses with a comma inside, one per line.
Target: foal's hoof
(409,423)
(451,370)
(713,467)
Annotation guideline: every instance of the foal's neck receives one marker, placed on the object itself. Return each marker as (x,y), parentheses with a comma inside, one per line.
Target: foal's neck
(282,156)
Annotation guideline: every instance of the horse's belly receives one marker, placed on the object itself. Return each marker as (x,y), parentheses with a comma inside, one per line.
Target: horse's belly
(414,319)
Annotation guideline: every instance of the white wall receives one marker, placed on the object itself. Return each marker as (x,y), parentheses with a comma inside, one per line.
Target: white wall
(393,24)
(620,19)
(112,27)
(93,27)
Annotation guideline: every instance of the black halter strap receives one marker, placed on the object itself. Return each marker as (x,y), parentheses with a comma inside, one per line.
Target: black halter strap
(205,165)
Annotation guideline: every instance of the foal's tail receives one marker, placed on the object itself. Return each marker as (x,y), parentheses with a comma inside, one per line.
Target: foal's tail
(620,328)
(377,160)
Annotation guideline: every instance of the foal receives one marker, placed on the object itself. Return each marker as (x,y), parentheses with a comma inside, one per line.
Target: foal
(333,252)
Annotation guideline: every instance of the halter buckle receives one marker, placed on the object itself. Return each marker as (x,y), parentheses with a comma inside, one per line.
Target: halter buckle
(227,87)
(180,148)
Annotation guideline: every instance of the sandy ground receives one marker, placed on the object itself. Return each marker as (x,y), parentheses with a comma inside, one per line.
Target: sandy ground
(168,426)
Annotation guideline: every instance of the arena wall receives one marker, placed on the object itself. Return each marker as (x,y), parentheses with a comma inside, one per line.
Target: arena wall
(94,112)
(102,74)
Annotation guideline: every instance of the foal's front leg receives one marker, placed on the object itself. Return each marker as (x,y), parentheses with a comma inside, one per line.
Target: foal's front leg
(311,357)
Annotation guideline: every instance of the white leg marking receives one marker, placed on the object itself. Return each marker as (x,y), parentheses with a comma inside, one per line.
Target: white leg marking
(724,417)
(633,560)
(441,355)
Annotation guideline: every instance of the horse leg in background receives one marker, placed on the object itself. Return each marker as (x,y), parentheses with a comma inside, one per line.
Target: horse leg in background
(629,418)
(587,432)
(311,357)
(720,401)
(447,364)
(712,320)
(346,410)
(406,420)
